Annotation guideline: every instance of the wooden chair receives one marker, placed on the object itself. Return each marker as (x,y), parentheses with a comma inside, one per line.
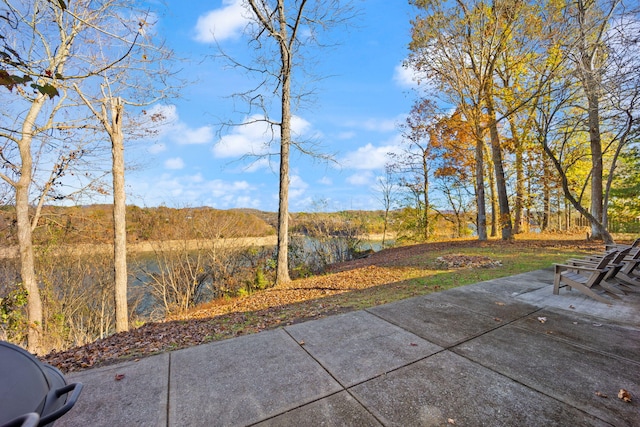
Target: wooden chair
(627,278)
(635,246)
(615,265)
(583,278)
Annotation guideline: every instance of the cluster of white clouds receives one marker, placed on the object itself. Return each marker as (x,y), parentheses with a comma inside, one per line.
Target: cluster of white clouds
(195,190)
(256,141)
(405,76)
(171,128)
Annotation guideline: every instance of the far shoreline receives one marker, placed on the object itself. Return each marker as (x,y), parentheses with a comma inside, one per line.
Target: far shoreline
(8,252)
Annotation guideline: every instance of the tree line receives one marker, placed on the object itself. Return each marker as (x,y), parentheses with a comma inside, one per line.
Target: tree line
(524,108)
(93,224)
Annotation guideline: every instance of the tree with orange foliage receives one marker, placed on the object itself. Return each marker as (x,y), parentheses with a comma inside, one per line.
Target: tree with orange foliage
(452,138)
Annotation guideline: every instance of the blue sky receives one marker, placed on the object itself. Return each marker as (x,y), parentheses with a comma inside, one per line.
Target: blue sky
(355,115)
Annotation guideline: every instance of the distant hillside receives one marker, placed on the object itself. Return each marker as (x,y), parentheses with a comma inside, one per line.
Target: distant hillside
(94,224)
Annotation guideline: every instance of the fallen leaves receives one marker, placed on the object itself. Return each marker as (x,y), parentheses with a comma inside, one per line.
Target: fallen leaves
(624,395)
(119,377)
(295,301)
(466,261)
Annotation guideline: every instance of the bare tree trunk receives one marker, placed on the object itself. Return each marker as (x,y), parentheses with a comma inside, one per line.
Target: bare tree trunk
(113,125)
(425,191)
(519,151)
(492,195)
(501,183)
(282,272)
(590,77)
(27,267)
(25,228)
(119,217)
(480,197)
(494,205)
(596,163)
(546,194)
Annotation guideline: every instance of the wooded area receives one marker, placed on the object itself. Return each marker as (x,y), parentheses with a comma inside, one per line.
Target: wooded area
(528,107)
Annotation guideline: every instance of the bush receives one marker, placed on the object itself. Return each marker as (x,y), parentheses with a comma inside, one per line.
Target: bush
(13,322)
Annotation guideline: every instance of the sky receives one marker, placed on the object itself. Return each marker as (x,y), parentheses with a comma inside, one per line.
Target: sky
(363,96)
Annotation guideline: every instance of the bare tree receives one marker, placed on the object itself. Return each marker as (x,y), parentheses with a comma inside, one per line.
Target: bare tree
(141,77)
(46,37)
(283,34)
(387,194)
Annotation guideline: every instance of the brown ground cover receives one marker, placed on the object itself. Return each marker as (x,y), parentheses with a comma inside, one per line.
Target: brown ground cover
(382,277)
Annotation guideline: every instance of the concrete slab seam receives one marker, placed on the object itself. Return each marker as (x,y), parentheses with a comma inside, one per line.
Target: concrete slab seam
(529,387)
(323,397)
(298,407)
(515,380)
(168,389)
(464,340)
(482,314)
(580,346)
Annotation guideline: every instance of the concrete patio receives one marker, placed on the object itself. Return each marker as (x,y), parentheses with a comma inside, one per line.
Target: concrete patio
(505,352)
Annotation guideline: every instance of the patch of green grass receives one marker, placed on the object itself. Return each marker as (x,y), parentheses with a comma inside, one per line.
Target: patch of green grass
(514,261)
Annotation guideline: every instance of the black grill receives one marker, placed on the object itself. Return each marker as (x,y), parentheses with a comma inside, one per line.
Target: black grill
(32,393)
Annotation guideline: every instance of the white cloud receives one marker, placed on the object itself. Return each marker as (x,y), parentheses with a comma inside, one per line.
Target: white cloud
(224,23)
(374,125)
(251,138)
(201,135)
(369,157)
(405,76)
(410,78)
(259,164)
(157,148)
(169,125)
(386,125)
(254,137)
(346,135)
(299,126)
(174,163)
(364,178)
(325,180)
(297,186)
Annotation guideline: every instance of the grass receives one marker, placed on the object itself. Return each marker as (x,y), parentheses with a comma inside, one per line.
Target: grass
(432,279)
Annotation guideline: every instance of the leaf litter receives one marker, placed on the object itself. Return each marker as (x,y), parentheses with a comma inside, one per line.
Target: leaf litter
(297,301)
